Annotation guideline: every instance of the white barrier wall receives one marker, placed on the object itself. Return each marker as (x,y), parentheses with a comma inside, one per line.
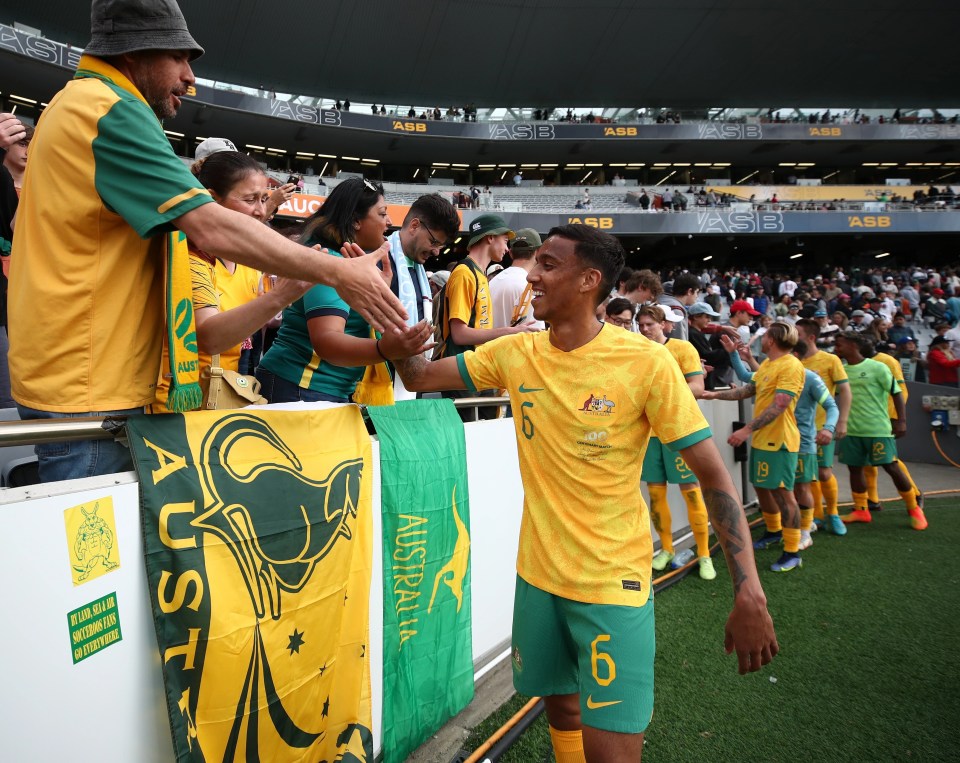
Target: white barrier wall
(109,706)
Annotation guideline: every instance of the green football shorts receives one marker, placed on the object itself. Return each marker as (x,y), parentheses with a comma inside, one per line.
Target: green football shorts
(660,464)
(825,455)
(603,652)
(772,469)
(867,451)
(806,468)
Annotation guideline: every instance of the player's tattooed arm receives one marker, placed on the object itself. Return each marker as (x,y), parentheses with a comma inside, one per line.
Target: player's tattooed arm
(749,629)
(422,375)
(737,393)
(781,401)
(730,525)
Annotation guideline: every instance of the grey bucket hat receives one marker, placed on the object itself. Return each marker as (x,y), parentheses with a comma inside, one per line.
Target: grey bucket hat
(125,26)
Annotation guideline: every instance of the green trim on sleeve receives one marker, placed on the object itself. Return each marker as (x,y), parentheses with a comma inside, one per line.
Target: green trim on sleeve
(838,382)
(691,439)
(465,374)
(693,373)
(785,392)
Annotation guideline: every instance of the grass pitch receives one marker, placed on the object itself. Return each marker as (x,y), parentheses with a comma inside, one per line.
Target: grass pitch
(869,666)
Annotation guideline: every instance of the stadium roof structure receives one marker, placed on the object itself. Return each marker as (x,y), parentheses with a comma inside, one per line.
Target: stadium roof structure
(559,53)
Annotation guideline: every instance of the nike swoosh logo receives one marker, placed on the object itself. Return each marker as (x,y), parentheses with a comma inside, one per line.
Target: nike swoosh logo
(530,389)
(596,705)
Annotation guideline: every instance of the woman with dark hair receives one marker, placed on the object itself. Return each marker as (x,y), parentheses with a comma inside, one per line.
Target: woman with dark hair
(229,300)
(323,347)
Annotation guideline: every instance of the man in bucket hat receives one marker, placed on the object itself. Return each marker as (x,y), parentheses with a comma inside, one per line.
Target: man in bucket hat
(95,263)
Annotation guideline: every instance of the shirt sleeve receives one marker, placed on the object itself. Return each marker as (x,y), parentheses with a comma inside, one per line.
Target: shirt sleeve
(672,410)
(839,372)
(825,400)
(690,363)
(204,284)
(461,294)
(790,380)
(137,174)
(482,368)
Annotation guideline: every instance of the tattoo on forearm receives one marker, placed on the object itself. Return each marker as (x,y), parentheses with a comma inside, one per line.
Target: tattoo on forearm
(765,417)
(411,368)
(730,525)
(737,393)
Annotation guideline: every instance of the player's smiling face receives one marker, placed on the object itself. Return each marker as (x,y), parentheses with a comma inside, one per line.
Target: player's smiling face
(557,279)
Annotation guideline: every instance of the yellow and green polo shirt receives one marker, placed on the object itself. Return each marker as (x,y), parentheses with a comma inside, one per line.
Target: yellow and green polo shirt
(86,314)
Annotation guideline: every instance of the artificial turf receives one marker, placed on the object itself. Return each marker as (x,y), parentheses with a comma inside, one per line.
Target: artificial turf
(869,667)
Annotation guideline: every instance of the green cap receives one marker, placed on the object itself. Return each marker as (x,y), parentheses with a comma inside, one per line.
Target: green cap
(487,225)
(527,239)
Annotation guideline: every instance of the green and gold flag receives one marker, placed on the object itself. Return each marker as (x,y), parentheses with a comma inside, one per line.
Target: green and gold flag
(427,649)
(258,543)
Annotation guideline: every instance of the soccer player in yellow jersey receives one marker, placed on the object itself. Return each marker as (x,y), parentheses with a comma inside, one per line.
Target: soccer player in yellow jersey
(870,473)
(661,465)
(776,440)
(872,436)
(830,369)
(585,398)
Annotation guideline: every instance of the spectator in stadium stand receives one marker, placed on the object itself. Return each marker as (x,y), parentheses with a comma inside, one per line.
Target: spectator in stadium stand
(911,360)
(761,302)
(229,300)
(715,358)
(12,132)
(741,316)
(518,179)
(899,329)
(437,281)
(383,110)
(782,306)
(430,224)
(346,105)
(510,292)
(645,287)
(858,321)
(338,106)
(788,287)
(953,307)
(644,200)
(619,312)
(133,74)
(952,335)
(411,113)
(935,308)
(793,313)
(15,160)
(322,325)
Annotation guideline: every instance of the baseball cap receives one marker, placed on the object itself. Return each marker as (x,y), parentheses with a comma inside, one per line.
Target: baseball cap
(674,316)
(937,340)
(125,26)
(440,278)
(212,146)
(487,225)
(702,308)
(820,314)
(905,339)
(938,292)
(844,296)
(794,306)
(527,239)
(875,298)
(741,305)
(857,313)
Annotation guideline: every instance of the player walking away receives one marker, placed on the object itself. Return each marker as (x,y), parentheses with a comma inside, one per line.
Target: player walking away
(814,394)
(585,398)
(871,434)
(661,465)
(776,441)
(871,473)
(831,371)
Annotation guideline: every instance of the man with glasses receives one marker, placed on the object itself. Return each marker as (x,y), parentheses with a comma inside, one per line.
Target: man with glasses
(428,227)
(619,312)
(509,291)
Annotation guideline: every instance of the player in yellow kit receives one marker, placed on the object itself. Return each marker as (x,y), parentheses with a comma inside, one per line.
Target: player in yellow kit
(871,473)
(585,398)
(661,465)
(776,441)
(830,369)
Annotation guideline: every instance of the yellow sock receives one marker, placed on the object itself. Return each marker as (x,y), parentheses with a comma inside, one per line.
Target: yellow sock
(907,472)
(791,540)
(831,493)
(772,521)
(660,513)
(567,746)
(806,518)
(697,514)
(909,498)
(873,495)
(817,499)
(860,501)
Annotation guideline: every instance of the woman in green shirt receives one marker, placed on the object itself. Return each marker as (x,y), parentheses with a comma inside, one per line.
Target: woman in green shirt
(323,347)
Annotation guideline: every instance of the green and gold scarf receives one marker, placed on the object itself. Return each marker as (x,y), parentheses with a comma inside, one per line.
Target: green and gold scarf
(181,337)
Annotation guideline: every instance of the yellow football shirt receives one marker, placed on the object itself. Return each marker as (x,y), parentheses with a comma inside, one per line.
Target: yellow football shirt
(831,370)
(686,356)
(785,374)
(894,365)
(583,420)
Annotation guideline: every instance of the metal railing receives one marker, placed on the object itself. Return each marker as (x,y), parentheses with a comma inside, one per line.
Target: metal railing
(43,431)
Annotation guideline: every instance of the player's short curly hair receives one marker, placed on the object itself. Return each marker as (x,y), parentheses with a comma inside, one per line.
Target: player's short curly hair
(784,335)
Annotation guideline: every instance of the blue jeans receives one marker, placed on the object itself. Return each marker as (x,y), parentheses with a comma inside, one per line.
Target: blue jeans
(82,458)
(278,390)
